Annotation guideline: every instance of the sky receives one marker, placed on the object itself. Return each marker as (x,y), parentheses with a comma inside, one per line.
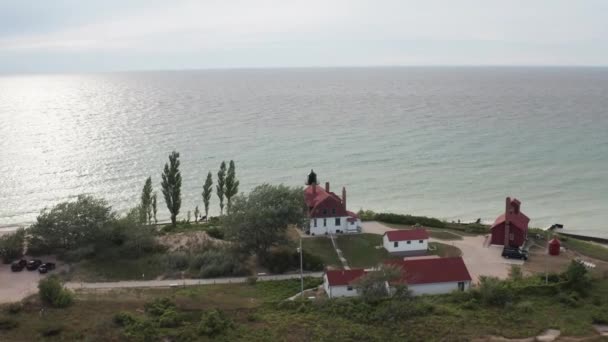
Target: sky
(117,35)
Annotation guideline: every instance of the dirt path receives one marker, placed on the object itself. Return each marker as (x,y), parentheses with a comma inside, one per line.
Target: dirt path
(480,260)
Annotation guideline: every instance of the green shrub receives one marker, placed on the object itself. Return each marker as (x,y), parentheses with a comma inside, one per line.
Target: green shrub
(366,215)
(50,329)
(577,278)
(213,323)
(599,316)
(14,308)
(177,261)
(218,262)
(158,306)
(124,319)
(279,260)
(52,292)
(8,324)
(494,292)
(569,299)
(525,307)
(215,232)
(142,330)
(169,319)
(310,262)
(409,220)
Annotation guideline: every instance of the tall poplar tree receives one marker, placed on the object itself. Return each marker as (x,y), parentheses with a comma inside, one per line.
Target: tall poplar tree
(154,208)
(232,184)
(207,190)
(172,185)
(146,202)
(221,185)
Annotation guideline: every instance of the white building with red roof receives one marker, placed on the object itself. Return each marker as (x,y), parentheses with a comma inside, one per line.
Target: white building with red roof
(327,211)
(340,283)
(406,242)
(432,275)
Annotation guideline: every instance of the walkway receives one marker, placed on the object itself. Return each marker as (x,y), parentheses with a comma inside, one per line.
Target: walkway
(181,282)
(343,260)
(480,260)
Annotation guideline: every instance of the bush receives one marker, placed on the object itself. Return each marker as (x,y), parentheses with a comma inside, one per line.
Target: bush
(494,292)
(279,260)
(525,307)
(158,306)
(11,245)
(599,316)
(577,278)
(142,330)
(213,323)
(178,261)
(215,232)
(366,215)
(409,220)
(252,280)
(569,299)
(124,319)
(8,324)
(50,329)
(311,262)
(218,262)
(14,308)
(169,319)
(52,292)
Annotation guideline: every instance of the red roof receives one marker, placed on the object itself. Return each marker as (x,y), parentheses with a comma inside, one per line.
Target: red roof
(429,271)
(407,235)
(554,242)
(343,277)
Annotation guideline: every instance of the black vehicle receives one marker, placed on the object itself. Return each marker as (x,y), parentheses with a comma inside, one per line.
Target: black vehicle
(44,268)
(33,265)
(514,253)
(18,266)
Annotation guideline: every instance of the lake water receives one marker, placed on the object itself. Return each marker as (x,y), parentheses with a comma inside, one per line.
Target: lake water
(447,142)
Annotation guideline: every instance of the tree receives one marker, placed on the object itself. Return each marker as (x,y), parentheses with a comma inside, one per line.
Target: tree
(146,202)
(207,189)
(70,225)
(232,184)
(258,221)
(374,285)
(197,213)
(577,278)
(11,245)
(172,185)
(154,208)
(51,291)
(221,185)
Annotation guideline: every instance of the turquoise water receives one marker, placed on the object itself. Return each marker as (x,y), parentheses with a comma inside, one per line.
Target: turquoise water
(447,142)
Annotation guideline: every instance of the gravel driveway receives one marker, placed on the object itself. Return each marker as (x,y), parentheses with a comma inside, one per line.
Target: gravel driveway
(480,260)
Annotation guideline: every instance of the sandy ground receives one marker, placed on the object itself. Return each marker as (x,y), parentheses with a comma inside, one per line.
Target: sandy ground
(480,260)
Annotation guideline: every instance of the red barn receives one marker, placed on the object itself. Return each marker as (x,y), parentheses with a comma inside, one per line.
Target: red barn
(511,228)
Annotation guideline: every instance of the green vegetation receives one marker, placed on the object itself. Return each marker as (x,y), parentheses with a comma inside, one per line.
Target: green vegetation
(589,249)
(283,259)
(444,235)
(221,185)
(154,207)
(260,220)
(172,186)
(52,292)
(444,250)
(12,245)
(232,184)
(515,308)
(322,247)
(207,189)
(431,222)
(146,202)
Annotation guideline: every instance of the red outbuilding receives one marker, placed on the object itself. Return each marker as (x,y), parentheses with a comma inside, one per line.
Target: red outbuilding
(511,228)
(554,246)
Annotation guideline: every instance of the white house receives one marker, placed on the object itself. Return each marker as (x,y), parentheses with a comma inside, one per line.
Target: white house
(406,242)
(327,212)
(432,276)
(339,283)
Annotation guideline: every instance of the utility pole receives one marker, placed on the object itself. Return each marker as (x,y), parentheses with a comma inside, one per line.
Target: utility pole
(301,270)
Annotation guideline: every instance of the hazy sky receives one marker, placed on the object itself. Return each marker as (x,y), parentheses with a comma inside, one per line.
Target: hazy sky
(78,35)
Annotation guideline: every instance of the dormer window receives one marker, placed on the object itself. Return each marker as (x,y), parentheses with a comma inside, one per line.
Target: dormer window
(324,211)
(333,211)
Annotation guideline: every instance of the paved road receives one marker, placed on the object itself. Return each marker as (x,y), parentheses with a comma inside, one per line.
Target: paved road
(181,282)
(479,258)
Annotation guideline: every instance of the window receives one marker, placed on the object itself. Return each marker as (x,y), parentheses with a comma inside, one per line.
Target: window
(324,211)
(352,222)
(324,222)
(409,242)
(338,221)
(461,285)
(420,241)
(349,288)
(396,244)
(333,211)
(315,222)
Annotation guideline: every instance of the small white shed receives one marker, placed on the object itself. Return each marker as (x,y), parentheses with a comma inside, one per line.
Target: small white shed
(406,242)
(339,283)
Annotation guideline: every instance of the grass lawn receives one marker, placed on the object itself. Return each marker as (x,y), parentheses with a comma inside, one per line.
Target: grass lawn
(444,250)
(147,267)
(585,248)
(436,233)
(322,247)
(360,249)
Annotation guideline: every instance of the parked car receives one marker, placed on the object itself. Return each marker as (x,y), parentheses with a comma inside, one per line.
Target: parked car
(514,253)
(33,265)
(44,268)
(17,266)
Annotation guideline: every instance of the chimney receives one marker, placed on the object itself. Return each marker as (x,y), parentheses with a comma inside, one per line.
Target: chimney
(508,210)
(327,186)
(344,197)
